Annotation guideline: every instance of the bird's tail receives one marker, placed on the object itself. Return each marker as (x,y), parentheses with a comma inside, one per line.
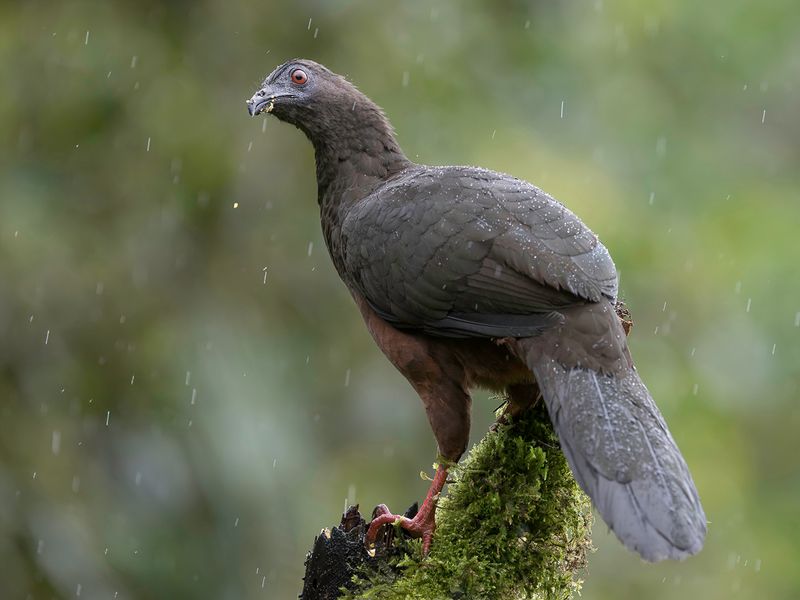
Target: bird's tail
(620,451)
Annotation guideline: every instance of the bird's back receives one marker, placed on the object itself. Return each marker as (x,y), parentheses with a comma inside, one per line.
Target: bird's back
(463,251)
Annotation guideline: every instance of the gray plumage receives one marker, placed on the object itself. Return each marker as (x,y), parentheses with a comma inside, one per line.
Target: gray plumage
(444,260)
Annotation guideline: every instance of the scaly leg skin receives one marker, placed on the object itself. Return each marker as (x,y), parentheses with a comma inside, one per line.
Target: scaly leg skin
(423,524)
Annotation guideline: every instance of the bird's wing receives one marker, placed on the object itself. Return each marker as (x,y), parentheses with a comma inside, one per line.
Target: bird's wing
(465,252)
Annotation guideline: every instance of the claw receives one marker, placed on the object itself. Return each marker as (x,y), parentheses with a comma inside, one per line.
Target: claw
(422,525)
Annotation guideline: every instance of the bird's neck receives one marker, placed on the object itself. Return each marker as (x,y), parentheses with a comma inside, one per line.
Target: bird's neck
(355,152)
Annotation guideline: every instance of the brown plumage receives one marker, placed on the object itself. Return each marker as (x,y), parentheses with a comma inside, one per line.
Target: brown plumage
(470,278)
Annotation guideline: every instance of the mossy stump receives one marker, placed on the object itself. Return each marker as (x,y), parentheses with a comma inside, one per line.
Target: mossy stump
(513,525)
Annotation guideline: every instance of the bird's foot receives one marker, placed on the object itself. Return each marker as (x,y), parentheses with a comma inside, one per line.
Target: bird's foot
(424,522)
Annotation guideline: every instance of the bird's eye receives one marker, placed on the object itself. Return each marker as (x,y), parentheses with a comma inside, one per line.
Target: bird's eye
(299,77)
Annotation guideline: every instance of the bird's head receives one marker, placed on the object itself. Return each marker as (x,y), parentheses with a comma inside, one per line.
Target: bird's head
(349,131)
(302,91)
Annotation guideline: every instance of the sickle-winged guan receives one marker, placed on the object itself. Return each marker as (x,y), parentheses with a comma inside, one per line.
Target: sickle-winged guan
(470,278)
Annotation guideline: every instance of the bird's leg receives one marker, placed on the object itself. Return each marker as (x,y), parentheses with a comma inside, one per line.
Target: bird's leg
(423,524)
(520,398)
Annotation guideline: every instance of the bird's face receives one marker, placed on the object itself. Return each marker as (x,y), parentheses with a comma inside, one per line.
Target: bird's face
(298,91)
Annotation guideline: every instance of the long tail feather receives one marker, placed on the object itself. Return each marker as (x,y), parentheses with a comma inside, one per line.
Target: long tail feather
(623,456)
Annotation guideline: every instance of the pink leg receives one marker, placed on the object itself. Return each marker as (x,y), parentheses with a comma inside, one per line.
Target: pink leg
(423,524)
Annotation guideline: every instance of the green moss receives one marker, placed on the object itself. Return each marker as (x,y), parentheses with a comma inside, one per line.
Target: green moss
(514,524)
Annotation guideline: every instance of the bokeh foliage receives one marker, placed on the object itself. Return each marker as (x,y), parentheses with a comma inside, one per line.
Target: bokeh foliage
(186,390)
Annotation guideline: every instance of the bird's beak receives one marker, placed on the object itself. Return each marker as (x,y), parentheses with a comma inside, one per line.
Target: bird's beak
(263,100)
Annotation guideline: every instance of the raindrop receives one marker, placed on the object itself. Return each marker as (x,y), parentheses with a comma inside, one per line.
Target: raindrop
(528,24)
(134,58)
(695,389)
(310,247)
(137,479)
(264,125)
(235,205)
(132,378)
(263,581)
(236,522)
(562,109)
(78,590)
(347,378)
(749,301)
(265,275)
(274,462)
(148,144)
(108,416)
(652,198)
(763,116)
(188,377)
(406,77)
(250,146)
(738,287)
(316,32)
(774,346)
(46,337)
(661,146)
(55,443)
(309,24)
(194,396)
(86,39)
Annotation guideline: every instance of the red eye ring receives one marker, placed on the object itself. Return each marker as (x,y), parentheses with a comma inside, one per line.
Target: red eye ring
(298,77)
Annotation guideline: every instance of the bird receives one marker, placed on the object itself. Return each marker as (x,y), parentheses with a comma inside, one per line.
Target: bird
(470,278)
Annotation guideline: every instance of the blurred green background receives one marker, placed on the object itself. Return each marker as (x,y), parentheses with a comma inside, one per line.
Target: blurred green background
(187,392)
